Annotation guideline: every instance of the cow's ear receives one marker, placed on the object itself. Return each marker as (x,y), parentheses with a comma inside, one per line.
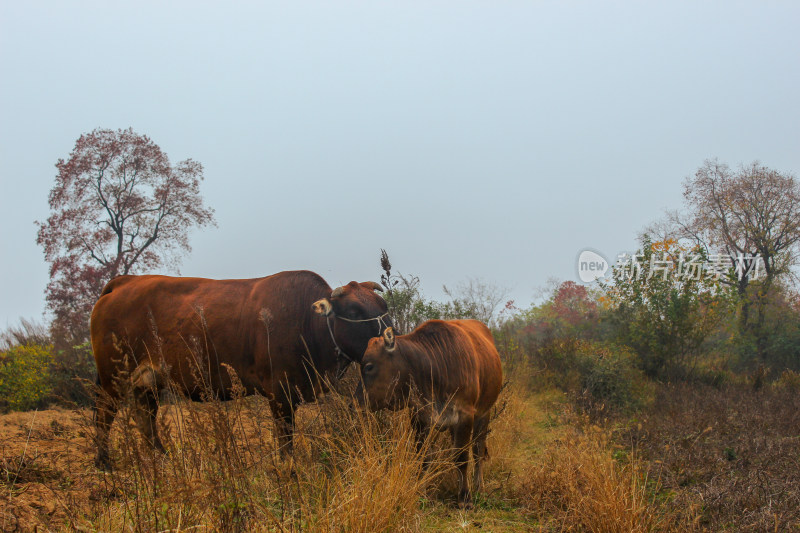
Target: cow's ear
(388,339)
(322,307)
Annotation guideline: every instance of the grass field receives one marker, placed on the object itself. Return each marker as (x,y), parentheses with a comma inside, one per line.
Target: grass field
(696,458)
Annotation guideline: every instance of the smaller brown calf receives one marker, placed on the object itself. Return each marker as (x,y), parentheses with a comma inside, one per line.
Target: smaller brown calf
(449,374)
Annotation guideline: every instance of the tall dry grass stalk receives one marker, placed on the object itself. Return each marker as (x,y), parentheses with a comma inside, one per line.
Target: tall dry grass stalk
(577,484)
(351,471)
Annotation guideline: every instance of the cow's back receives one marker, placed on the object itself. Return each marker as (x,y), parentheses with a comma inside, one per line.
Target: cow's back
(465,360)
(192,325)
(486,362)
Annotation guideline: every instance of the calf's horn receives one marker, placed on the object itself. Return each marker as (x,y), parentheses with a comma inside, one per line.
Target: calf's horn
(388,339)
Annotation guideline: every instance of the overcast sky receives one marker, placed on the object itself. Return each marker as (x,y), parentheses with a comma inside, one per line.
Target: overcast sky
(470,139)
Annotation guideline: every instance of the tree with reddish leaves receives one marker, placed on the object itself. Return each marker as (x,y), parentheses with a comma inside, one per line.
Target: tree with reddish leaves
(573,305)
(118,207)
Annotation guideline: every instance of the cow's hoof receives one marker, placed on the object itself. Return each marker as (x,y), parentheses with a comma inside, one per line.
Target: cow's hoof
(465,502)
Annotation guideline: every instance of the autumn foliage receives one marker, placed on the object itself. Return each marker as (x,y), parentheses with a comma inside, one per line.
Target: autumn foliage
(118,207)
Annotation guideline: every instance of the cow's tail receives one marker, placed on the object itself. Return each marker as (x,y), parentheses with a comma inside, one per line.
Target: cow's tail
(107,289)
(98,390)
(114,283)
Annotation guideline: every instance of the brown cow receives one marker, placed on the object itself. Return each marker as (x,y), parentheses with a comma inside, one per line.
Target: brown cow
(280,334)
(449,374)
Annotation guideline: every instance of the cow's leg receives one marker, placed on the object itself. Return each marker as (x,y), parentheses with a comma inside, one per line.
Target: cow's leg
(479,451)
(421,431)
(462,436)
(283,415)
(145,412)
(146,381)
(105,409)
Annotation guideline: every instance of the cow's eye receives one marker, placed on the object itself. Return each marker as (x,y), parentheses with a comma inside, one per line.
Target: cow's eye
(369,367)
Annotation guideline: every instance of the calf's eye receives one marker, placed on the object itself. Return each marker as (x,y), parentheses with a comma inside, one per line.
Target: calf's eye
(369,367)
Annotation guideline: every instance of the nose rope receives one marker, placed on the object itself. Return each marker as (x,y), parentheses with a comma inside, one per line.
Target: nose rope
(379,319)
(341,353)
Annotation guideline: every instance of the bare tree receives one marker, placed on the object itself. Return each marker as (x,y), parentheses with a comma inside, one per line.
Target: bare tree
(752,211)
(751,215)
(480,297)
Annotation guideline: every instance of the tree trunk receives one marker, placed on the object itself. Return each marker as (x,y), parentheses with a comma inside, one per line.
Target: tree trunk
(758,329)
(744,308)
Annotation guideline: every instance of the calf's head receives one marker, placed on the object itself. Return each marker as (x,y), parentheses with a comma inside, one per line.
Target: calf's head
(385,374)
(356,313)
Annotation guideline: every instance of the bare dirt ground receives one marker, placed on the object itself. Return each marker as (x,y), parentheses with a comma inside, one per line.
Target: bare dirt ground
(46,469)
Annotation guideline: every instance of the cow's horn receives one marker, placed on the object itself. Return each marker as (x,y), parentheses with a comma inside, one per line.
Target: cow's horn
(338,291)
(373,285)
(388,339)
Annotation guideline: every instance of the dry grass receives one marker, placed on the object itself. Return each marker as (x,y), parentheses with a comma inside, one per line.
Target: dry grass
(726,459)
(549,470)
(351,471)
(577,484)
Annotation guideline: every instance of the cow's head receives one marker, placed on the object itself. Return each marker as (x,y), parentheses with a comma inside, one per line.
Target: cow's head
(385,374)
(356,314)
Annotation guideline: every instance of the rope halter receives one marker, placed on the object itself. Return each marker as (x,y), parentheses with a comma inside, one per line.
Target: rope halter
(341,355)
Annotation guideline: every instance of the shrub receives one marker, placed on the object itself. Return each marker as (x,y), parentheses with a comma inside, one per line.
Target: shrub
(543,341)
(781,330)
(609,377)
(409,307)
(713,376)
(25,376)
(663,309)
(788,380)
(70,371)
(565,342)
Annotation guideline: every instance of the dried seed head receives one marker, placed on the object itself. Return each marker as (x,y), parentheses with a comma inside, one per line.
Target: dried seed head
(385,264)
(265,315)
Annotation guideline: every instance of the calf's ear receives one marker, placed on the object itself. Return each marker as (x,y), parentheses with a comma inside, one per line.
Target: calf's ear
(388,339)
(322,307)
